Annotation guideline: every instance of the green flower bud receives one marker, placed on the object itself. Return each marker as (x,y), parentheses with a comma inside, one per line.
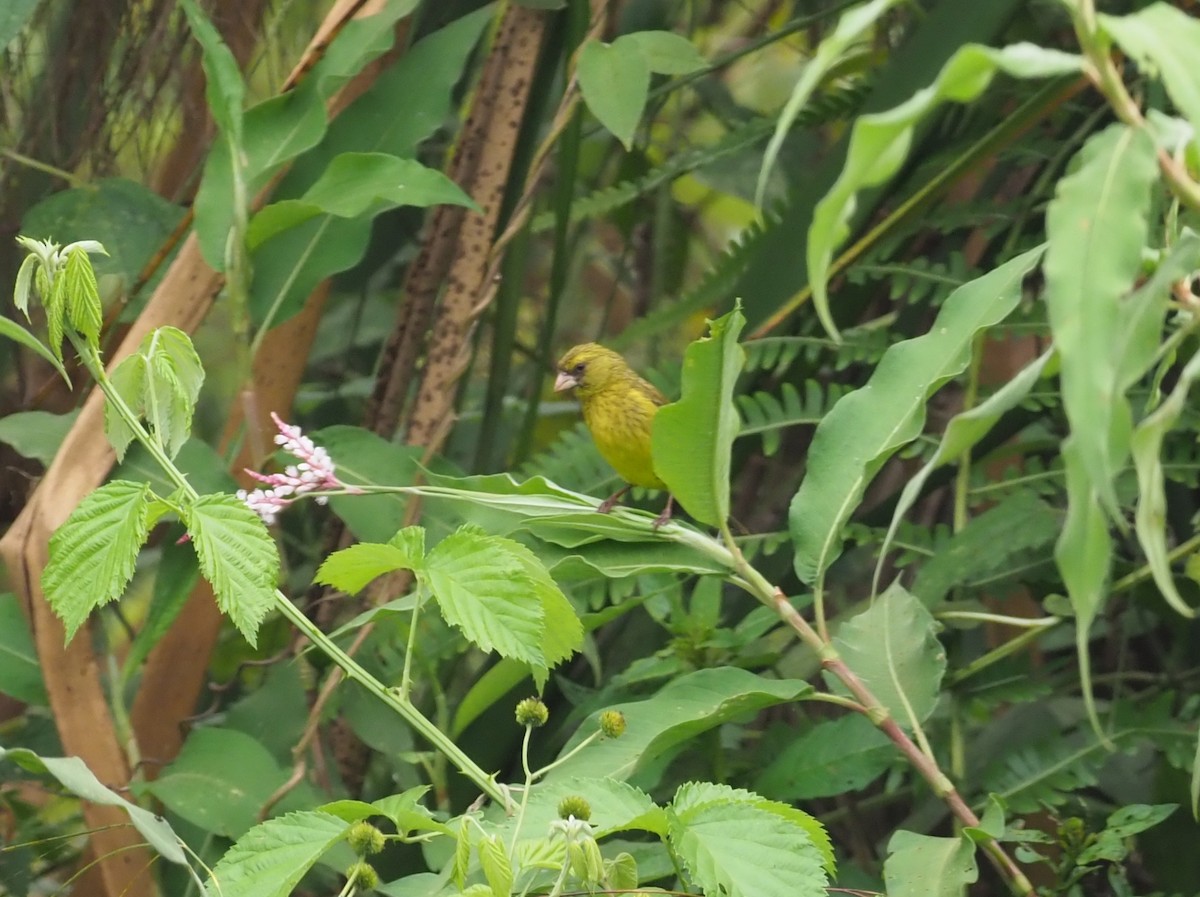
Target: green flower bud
(364,838)
(532,712)
(364,875)
(612,723)
(574,805)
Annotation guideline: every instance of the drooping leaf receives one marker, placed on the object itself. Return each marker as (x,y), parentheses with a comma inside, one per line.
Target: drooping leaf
(237,556)
(352,568)
(36,434)
(693,437)
(15,332)
(868,425)
(681,710)
(893,648)
(79,780)
(665,52)
(271,858)
(833,757)
(736,843)
(84,310)
(1162,39)
(615,82)
(925,866)
(879,142)
(92,555)
(20,671)
(1097,225)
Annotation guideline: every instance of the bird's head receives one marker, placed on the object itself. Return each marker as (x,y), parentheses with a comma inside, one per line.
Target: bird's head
(589,368)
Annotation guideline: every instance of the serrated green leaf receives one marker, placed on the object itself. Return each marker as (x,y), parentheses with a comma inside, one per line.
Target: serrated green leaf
(482,588)
(407,814)
(616,806)
(54,302)
(23,286)
(867,426)
(237,556)
(129,381)
(84,309)
(693,438)
(562,630)
(77,778)
(925,866)
(493,859)
(352,568)
(172,384)
(681,710)
(1097,225)
(892,647)
(735,845)
(849,29)
(271,858)
(665,52)
(92,555)
(879,142)
(615,82)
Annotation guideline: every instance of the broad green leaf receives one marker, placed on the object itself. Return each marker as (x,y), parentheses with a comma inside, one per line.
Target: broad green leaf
(271,858)
(831,758)
(615,82)
(357,183)
(681,710)
(36,434)
(92,554)
(1083,554)
(481,585)
(352,568)
(616,806)
(13,17)
(693,437)
(407,814)
(174,577)
(893,649)
(366,459)
(1112,843)
(849,30)
(1150,520)
(174,376)
(879,142)
(275,712)
(219,782)
(665,52)
(1162,40)
(962,433)
(1097,225)
(20,671)
(925,866)
(742,848)
(867,426)
(237,556)
(81,781)
(84,310)
(225,90)
(562,630)
(129,381)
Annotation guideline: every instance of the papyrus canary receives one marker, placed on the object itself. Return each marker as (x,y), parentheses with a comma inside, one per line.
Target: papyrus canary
(619,409)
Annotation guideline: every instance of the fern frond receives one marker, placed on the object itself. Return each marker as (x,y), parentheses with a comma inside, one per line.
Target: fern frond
(767,414)
(573,460)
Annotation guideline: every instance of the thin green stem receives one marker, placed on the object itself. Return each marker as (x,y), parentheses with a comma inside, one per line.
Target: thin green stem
(516,831)
(411,648)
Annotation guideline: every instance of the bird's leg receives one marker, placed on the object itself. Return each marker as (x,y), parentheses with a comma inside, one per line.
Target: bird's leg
(666,514)
(611,502)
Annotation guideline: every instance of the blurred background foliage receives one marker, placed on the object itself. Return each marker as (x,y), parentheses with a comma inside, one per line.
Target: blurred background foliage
(104,133)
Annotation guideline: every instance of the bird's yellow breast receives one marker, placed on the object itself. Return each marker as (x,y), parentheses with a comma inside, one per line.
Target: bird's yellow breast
(620,421)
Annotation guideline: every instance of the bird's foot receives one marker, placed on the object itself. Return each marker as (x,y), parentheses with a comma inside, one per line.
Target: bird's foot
(611,502)
(665,516)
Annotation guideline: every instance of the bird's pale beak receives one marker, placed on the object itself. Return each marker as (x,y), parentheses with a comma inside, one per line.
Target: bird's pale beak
(564,381)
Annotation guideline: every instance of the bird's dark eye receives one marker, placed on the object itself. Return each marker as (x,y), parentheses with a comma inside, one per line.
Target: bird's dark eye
(578,369)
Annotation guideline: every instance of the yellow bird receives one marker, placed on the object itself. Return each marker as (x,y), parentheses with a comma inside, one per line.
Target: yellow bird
(619,409)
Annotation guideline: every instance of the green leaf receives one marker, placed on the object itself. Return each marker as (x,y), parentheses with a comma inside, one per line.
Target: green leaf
(879,142)
(482,587)
(84,309)
(81,781)
(20,672)
(1097,225)
(36,434)
(693,437)
(832,48)
(1112,843)
(616,806)
(497,869)
(924,866)
(615,82)
(237,556)
(408,815)
(962,433)
(219,782)
(225,91)
(365,459)
(23,286)
(92,555)
(893,649)
(680,711)
(562,630)
(1162,41)
(355,184)
(13,17)
(352,568)
(867,426)
(665,52)
(271,858)
(831,758)
(736,843)
(19,334)
(129,381)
